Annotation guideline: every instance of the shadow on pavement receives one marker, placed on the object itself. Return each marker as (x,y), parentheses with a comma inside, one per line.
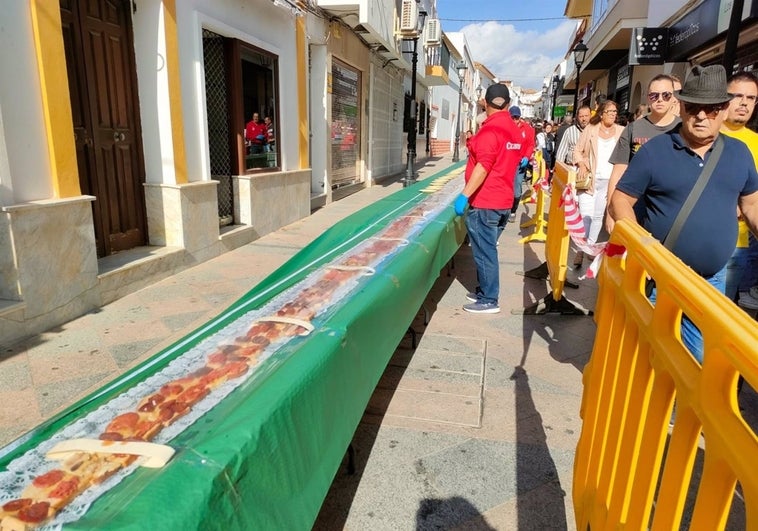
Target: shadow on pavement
(536,470)
(445,513)
(336,506)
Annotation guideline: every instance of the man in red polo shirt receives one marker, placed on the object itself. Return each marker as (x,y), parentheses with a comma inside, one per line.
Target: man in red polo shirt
(494,154)
(255,134)
(527,150)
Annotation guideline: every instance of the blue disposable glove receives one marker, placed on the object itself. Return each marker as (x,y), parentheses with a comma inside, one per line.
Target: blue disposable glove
(461,202)
(523,164)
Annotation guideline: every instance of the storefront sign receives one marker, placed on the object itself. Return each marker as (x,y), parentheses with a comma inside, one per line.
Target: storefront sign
(693,30)
(648,47)
(559,112)
(622,76)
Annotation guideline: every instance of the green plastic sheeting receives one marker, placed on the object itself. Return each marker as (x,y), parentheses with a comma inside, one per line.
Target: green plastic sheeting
(265,457)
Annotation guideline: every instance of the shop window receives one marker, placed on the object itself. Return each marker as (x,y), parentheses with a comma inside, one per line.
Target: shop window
(422,118)
(240,82)
(259,108)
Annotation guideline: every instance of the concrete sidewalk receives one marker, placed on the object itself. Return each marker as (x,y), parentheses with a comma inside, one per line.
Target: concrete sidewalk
(474,428)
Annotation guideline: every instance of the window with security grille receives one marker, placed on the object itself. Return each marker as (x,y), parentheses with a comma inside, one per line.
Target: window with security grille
(217,105)
(242,113)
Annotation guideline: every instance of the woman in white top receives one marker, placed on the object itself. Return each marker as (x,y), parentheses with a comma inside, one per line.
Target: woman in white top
(593,149)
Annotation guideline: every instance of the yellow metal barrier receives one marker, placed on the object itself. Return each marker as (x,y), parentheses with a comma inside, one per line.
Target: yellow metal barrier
(556,252)
(627,469)
(535,176)
(539,221)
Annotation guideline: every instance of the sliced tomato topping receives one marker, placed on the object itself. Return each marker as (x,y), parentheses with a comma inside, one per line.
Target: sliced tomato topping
(48,479)
(259,328)
(249,351)
(171,389)
(151,403)
(65,488)
(217,358)
(16,505)
(260,340)
(193,394)
(34,513)
(125,421)
(111,436)
(235,370)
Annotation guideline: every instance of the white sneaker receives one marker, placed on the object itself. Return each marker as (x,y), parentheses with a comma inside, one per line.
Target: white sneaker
(748,300)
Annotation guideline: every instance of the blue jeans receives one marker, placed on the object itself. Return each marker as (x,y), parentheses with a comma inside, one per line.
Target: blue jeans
(691,335)
(742,269)
(484,226)
(518,182)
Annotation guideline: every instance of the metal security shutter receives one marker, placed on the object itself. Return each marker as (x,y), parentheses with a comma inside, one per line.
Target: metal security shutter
(346,125)
(387,135)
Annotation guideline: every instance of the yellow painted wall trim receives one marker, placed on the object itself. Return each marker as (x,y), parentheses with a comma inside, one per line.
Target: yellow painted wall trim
(175,91)
(302,96)
(56,100)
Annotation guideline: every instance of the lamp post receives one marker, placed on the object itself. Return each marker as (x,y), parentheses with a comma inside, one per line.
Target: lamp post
(461,67)
(580,52)
(410,175)
(555,84)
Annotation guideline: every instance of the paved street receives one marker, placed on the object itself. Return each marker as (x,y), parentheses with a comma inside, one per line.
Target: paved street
(475,428)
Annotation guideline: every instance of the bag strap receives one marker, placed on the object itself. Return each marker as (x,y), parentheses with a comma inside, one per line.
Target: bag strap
(670,240)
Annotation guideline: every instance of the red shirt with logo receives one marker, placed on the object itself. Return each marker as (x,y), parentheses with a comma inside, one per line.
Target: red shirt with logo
(527,132)
(498,147)
(255,129)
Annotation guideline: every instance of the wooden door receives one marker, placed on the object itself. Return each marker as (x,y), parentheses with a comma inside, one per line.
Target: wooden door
(102,81)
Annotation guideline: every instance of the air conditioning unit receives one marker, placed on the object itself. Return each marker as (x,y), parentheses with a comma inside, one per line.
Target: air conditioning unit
(433,32)
(409,17)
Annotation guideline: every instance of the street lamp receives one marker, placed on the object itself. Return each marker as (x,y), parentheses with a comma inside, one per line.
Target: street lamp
(461,67)
(579,51)
(410,175)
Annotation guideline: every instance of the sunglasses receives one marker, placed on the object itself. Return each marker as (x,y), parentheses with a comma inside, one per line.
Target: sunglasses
(710,109)
(655,96)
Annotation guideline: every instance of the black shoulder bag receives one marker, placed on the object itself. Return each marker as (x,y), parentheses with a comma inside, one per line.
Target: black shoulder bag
(676,228)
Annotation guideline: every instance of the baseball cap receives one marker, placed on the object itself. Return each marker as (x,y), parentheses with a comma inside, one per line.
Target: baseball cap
(497,96)
(515,111)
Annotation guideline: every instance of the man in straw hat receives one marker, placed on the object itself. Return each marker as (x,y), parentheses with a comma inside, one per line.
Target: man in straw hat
(664,171)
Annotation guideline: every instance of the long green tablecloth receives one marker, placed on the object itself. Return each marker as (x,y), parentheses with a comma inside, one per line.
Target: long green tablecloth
(265,457)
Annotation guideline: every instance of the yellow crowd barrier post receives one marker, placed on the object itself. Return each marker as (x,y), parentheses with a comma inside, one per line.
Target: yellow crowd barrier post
(535,176)
(556,253)
(538,220)
(629,472)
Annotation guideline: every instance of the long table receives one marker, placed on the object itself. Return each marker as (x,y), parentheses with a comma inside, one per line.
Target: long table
(265,457)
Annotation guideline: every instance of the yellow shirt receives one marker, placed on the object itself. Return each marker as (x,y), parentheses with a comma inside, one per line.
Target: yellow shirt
(750,138)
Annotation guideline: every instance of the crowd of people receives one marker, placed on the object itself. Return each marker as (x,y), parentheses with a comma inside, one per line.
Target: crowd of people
(683,166)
